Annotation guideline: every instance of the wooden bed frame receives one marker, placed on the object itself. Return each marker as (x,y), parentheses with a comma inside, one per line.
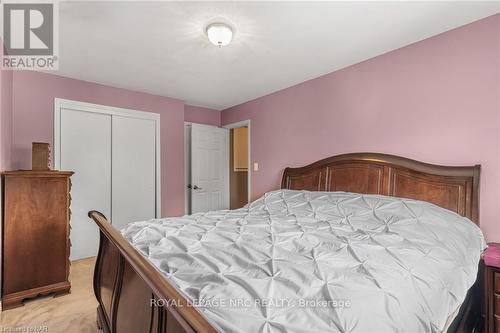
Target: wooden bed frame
(125,282)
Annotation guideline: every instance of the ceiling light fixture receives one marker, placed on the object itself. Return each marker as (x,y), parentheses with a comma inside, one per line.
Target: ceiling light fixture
(219,34)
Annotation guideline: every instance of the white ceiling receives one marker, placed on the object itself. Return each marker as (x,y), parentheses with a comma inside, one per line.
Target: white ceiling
(160,47)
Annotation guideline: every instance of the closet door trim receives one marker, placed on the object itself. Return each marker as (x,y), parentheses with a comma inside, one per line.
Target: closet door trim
(60,103)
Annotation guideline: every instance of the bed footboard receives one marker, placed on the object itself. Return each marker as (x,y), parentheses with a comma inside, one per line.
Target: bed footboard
(132,295)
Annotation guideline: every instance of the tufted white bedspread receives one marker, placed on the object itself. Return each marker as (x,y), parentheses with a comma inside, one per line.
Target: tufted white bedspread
(299,261)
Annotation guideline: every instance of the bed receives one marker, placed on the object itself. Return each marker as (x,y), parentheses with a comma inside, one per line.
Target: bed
(348,228)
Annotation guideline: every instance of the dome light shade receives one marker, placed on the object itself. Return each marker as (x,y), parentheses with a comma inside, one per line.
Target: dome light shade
(219,34)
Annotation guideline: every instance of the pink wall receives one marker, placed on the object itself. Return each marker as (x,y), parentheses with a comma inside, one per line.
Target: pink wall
(33,116)
(5,118)
(200,115)
(32,96)
(436,101)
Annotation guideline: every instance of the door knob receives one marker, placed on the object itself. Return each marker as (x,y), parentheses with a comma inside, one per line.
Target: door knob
(197,188)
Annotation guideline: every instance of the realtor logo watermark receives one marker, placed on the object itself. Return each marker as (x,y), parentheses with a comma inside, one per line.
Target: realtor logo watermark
(30,35)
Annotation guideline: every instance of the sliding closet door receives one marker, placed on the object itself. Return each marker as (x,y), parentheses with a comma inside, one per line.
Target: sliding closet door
(85,148)
(133,170)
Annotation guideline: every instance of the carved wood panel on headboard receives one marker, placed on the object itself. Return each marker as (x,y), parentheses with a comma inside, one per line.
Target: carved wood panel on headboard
(452,187)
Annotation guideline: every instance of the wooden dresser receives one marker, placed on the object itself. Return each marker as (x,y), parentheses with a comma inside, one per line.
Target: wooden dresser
(492,290)
(35,235)
(492,299)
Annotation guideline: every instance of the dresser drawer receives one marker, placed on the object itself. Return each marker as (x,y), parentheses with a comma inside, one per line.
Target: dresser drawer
(496,280)
(496,309)
(497,324)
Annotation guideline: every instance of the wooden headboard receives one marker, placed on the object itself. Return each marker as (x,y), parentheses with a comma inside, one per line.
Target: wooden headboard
(452,187)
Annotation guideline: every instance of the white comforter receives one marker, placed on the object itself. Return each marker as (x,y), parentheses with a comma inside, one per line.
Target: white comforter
(298,261)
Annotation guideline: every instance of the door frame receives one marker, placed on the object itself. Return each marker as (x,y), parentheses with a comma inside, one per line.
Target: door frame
(187,167)
(60,103)
(247,123)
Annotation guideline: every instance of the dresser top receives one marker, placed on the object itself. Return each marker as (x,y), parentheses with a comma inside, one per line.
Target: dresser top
(38,173)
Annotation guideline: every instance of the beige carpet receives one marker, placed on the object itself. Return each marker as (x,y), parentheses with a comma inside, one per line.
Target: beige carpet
(75,312)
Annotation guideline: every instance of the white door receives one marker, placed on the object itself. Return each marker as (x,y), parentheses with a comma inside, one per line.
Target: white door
(209,168)
(85,148)
(133,170)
